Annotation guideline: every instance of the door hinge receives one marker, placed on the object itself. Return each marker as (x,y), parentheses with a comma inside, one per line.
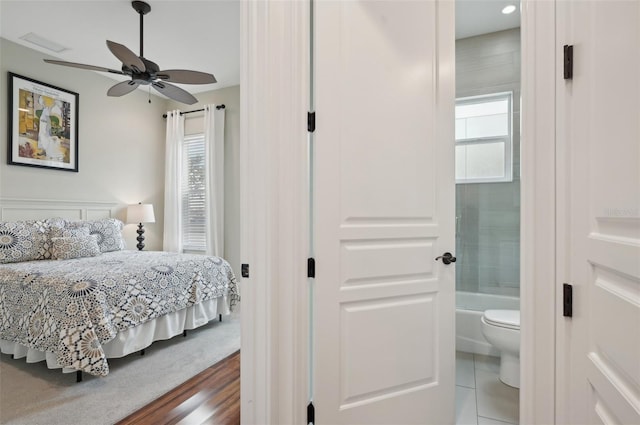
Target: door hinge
(568,62)
(311,122)
(244,270)
(311,414)
(567,300)
(311,267)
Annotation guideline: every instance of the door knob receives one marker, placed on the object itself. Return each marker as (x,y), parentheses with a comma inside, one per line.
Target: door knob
(447,258)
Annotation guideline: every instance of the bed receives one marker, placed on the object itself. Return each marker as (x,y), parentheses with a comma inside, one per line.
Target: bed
(75,313)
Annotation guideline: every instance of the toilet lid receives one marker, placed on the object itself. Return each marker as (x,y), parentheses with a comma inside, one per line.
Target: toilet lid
(503,318)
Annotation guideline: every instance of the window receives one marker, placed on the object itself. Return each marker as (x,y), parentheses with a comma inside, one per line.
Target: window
(193,193)
(484,138)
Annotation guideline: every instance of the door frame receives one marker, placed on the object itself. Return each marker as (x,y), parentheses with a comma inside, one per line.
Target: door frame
(274,42)
(538,213)
(274,93)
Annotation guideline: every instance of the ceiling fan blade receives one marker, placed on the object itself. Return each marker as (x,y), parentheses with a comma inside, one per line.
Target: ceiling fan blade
(122,88)
(126,56)
(83,66)
(174,92)
(185,76)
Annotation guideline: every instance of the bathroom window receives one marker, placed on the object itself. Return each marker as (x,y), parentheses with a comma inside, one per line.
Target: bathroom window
(484,138)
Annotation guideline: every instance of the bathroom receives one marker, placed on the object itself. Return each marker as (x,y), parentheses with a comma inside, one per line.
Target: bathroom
(487,211)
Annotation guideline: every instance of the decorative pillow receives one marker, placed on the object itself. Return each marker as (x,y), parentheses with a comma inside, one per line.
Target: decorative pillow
(65,248)
(69,232)
(57,222)
(108,231)
(45,227)
(22,241)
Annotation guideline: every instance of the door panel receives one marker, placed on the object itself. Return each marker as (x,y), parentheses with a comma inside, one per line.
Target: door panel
(600,117)
(372,327)
(384,209)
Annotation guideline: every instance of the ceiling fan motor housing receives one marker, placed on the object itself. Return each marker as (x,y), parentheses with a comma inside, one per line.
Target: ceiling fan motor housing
(141,7)
(146,77)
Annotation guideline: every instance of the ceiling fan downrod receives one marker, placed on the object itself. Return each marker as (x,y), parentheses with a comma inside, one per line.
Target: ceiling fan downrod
(142,8)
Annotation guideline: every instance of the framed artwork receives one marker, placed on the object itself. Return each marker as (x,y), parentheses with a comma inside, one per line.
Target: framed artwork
(42,124)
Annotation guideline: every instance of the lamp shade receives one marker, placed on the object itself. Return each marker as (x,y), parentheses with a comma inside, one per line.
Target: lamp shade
(140,213)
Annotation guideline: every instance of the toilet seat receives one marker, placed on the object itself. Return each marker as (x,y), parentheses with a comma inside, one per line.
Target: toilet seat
(509,319)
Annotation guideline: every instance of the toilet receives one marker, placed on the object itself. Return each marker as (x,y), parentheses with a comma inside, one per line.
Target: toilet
(502,329)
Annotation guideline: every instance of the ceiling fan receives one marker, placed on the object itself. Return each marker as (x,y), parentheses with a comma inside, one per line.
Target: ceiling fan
(145,72)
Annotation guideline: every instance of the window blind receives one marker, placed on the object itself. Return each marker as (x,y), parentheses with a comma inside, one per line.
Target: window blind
(193,194)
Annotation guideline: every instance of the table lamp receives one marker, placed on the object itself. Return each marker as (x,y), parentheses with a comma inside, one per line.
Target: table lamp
(140,213)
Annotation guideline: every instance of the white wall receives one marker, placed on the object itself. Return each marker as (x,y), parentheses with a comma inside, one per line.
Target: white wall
(121,143)
(194,123)
(121,146)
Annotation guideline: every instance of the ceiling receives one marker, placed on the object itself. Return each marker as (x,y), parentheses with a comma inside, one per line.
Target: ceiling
(197,35)
(475,17)
(202,35)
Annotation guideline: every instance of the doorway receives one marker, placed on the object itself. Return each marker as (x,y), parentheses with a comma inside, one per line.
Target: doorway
(487,157)
(281,342)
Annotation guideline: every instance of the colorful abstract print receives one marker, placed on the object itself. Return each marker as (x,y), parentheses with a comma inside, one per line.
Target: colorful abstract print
(73,307)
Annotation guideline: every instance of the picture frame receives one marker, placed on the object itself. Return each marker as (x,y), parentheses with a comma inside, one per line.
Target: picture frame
(43,125)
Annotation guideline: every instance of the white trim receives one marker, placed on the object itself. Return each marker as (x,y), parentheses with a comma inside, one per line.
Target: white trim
(13,209)
(538,209)
(274,214)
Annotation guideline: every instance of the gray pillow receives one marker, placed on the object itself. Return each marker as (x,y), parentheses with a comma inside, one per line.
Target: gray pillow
(69,232)
(108,231)
(46,227)
(65,248)
(22,241)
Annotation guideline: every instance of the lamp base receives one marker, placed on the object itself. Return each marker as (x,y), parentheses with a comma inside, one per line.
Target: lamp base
(140,237)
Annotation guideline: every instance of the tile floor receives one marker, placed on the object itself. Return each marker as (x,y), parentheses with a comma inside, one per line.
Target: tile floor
(481,399)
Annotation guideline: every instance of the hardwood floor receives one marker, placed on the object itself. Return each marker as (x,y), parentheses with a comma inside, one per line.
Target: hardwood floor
(211,397)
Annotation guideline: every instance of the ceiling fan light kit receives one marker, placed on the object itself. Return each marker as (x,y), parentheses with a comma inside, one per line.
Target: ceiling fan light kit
(145,72)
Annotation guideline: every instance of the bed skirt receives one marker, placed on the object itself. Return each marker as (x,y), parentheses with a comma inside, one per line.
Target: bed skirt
(137,338)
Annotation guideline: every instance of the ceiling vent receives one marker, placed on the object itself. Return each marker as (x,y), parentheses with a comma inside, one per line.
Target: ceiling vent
(43,42)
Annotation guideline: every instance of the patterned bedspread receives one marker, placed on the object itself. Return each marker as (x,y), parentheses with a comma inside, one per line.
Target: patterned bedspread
(72,307)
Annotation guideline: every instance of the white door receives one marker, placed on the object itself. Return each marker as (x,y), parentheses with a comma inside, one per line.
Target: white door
(384,209)
(599,200)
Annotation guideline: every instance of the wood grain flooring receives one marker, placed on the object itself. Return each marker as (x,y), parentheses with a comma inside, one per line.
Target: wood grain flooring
(211,397)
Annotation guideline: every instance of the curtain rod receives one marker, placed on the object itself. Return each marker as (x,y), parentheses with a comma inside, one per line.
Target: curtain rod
(195,110)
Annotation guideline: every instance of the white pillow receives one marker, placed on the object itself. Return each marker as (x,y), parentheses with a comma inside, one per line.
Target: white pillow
(65,248)
(108,231)
(69,232)
(22,241)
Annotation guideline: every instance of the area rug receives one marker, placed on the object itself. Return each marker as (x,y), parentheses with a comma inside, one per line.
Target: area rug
(33,394)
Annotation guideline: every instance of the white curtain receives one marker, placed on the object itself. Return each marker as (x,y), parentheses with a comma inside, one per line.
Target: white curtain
(214,183)
(172,240)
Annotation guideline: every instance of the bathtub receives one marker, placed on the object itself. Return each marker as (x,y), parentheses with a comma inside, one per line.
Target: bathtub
(469,309)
